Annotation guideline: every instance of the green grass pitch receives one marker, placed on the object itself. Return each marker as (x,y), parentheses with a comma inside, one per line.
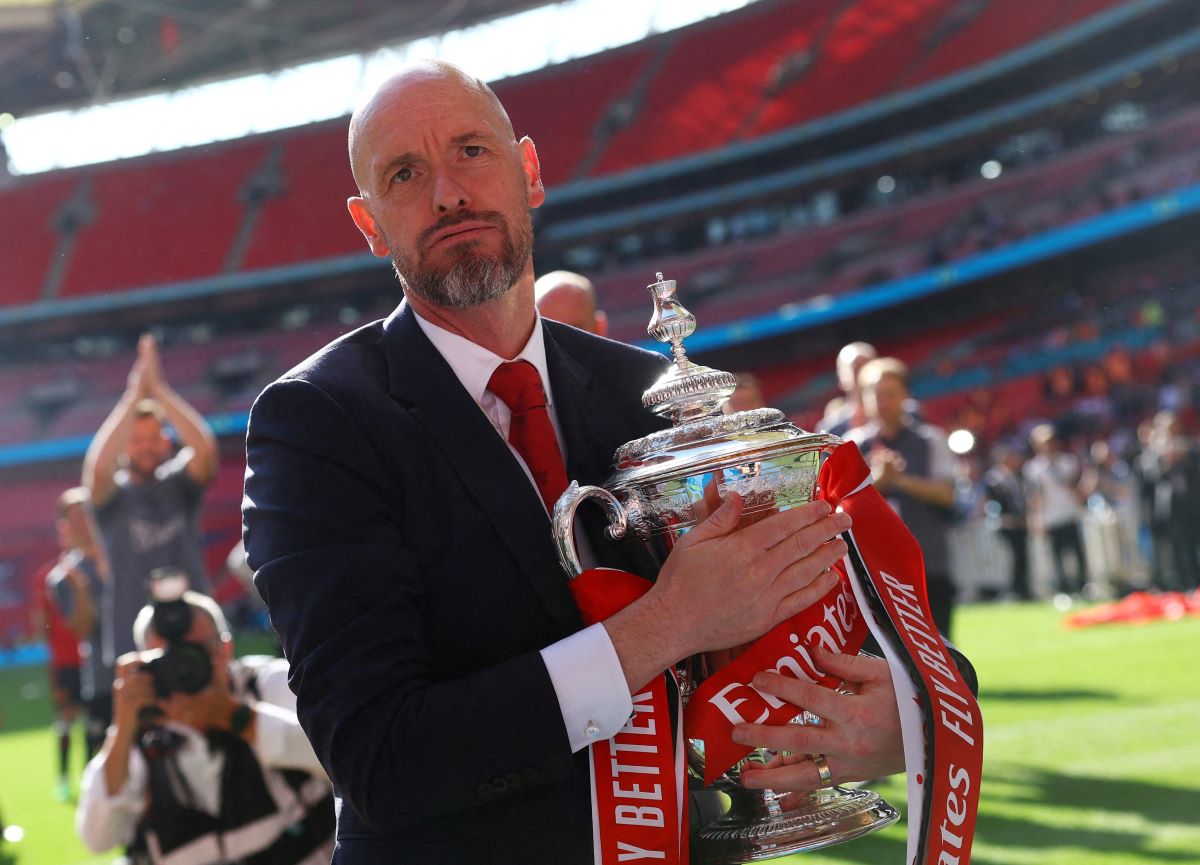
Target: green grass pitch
(1092,750)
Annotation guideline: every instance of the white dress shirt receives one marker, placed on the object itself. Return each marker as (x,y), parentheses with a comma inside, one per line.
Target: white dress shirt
(584,668)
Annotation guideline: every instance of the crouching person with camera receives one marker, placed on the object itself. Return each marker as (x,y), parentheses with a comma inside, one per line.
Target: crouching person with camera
(205,761)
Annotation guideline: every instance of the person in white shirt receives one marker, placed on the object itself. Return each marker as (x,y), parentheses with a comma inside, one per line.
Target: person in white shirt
(220,775)
(1056,506)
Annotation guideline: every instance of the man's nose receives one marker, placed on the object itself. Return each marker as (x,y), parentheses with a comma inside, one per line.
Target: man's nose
(449,193)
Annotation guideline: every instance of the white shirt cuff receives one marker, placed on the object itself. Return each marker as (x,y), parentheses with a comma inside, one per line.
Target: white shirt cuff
(590,685)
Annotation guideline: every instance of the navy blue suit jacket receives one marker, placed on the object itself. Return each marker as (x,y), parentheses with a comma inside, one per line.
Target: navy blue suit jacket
(409,569)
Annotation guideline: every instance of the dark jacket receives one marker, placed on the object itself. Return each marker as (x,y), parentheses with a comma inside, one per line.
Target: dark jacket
(409,569)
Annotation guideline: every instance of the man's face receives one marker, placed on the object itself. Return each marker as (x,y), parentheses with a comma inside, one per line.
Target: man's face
(446,190)
(848,365)
(884,400)
(570,305)
(148,448)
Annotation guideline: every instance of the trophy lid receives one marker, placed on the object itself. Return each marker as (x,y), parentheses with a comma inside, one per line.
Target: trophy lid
(687,391)
(692,396)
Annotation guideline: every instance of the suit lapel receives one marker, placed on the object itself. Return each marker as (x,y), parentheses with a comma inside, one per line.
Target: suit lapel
(420,377)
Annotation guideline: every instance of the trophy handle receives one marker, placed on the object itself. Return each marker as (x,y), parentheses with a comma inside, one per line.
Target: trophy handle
(563,521)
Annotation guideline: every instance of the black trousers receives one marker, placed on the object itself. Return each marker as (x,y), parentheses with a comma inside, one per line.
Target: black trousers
(1068,539)
(1018,579)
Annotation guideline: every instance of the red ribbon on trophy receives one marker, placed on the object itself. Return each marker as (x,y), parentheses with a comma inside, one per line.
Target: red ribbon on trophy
(639,783)
(883,575)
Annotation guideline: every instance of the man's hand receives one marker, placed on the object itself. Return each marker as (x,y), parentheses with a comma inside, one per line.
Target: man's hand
(727,583)
(135,383)
(859,737)
(886,467)
(151,362)
(133,690)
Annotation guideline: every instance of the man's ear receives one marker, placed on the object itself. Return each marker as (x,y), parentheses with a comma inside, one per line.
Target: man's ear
(532,170)
(362,217)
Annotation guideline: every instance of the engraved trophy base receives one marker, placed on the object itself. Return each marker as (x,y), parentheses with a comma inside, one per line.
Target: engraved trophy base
(759,827)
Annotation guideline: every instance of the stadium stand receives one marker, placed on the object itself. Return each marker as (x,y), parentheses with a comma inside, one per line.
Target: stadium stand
(302,221)
(275,200)
(571,109)
(161,219)
(31,217)
(265,201)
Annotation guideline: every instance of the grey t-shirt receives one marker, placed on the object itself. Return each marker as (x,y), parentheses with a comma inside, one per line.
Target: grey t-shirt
(95,676)
(926,455)
(148,525)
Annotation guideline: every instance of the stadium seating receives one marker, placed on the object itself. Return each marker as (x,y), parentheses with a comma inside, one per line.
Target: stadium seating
(28,236)
(1000,26)
(563,108)
(173,217)
(308,220)
(162,219)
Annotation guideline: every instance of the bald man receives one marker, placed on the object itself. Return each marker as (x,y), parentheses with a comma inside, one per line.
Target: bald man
(402,541)
(570,298)
(846,412)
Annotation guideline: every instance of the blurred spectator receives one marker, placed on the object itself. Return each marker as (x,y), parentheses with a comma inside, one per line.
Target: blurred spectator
(219,775)
(912,467)
(1111,490)
(1175,467)
(78,587)
(747,396)
(146,500)
(844,413)
(1005,488)
(570,298)
(46,621)
(1055,505)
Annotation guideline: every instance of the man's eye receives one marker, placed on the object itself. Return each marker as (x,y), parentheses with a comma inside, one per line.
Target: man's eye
(403,175)
(473,150)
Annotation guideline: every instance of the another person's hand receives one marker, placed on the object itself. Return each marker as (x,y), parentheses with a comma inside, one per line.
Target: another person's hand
(133,691)
(859,736)
(149,357)
(886,467)
(77,577)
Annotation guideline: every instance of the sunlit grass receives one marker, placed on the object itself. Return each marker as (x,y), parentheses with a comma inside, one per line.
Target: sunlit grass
(1092,755)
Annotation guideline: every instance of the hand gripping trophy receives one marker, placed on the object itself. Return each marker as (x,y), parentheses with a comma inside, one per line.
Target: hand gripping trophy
(662,486)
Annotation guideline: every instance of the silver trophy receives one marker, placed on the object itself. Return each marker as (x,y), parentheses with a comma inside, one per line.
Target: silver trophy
(662,486)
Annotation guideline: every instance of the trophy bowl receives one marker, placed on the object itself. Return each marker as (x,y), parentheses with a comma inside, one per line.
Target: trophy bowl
(664,484)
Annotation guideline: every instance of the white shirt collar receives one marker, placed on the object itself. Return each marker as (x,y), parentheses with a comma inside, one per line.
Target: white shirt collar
(473,364)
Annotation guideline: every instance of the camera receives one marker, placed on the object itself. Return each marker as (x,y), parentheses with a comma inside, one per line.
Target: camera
(184,666)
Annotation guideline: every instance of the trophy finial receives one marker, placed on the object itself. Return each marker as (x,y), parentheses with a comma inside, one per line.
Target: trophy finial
(686,391)
(671,322)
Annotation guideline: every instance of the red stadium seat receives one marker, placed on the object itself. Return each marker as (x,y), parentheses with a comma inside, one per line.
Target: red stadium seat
(163,219)
(27,234)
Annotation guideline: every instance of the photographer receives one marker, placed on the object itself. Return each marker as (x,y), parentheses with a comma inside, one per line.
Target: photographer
(205,761)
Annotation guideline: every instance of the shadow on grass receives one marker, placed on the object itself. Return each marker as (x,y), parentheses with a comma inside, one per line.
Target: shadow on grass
(1156,803)
(1042,696)
(1044,794)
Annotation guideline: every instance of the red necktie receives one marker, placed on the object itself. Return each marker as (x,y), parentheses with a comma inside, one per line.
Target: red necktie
(530,430)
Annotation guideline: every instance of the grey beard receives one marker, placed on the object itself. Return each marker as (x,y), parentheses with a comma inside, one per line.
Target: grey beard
(471,280)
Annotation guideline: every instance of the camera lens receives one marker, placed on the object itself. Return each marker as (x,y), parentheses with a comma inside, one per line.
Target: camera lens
(181,668)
